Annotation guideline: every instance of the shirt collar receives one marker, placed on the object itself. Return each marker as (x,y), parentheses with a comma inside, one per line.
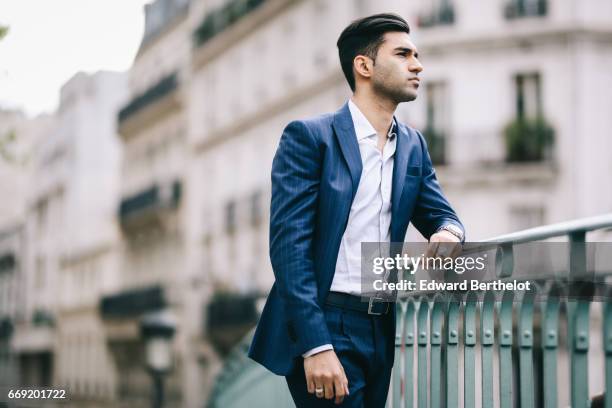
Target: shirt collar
(363,127)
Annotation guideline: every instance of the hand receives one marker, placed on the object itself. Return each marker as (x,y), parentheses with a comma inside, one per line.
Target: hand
(324,371)
(443,244)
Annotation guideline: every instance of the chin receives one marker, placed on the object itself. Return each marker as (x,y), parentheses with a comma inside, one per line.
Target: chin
(409,96)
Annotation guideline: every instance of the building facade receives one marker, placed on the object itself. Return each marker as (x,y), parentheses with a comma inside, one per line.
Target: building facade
(18,137)
(11,301)
(70,242)
(513,105)
(151,210)
(492,73)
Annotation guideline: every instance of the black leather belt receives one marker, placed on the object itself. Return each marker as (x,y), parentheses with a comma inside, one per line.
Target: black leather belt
(373,306)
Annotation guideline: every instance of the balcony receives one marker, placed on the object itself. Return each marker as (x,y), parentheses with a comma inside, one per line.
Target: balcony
(42,317)
(7,262)
(154,96)
(528,140)
(519,9)
(229,317)
(222,18)
(444,15)
(132,303)
(150,205)
(6,328)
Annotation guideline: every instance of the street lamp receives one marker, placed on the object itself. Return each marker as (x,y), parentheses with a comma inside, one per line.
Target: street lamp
(157,329)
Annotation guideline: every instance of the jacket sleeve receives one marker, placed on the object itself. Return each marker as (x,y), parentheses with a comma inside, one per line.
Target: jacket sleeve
(432,210)
(296,172)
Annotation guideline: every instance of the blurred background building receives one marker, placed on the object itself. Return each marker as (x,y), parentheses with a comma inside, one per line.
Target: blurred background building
(514,105)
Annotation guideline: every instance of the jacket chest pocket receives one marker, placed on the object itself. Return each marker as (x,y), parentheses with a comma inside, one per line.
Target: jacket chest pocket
(413,171)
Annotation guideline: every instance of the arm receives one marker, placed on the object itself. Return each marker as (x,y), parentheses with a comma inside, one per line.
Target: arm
(432,211)
(295,187)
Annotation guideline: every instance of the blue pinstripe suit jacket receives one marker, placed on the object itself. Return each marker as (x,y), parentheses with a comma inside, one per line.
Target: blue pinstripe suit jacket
(315,174)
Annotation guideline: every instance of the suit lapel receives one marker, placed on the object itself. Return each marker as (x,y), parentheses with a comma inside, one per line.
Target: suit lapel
(400,162)
(347,139)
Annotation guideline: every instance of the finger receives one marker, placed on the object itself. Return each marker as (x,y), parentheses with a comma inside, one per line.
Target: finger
(329,389)
(319,390)
(457,249)
(310,385)
(339,389)
(431,249)
(447,249)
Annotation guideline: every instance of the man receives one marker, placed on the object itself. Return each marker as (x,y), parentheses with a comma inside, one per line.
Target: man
(357,175)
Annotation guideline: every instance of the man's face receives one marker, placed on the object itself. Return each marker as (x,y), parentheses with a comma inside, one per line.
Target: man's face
(396,69)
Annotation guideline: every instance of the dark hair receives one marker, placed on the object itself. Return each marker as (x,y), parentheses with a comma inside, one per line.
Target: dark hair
(364,37)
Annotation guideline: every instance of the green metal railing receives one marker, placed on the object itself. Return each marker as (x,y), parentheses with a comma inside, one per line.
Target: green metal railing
(443,342)
(476,350)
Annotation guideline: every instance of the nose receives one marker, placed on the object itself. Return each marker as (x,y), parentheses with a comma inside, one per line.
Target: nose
(415,66)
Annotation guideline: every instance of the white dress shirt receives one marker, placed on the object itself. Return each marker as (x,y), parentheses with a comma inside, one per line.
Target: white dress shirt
(370,215)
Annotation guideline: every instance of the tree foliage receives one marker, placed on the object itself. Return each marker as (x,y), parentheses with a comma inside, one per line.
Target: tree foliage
(3,31)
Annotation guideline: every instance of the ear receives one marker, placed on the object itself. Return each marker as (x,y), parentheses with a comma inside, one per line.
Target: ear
(363,66)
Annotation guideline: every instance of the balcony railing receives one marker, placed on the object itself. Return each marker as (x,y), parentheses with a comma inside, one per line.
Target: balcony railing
(222,18)
(522,8)
(132,303)
(444,15)
(229,317)
(528,140)
(7,262)
(42,317)
(430,335)
(6,328)
(151,200)
(164,87)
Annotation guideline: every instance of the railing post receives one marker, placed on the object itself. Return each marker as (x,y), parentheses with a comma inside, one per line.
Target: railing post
(505,350)
(550,342)
(579,343)
(409,355)
(398,386)
(469,352)
(423,337)
(578,322)
(487,327)
(607,341)
(437,320)
(452,354)
(525,339)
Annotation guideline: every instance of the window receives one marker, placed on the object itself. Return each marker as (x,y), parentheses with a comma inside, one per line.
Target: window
(39,279)
(256,208)
(525,8)
(528,136)
(437,12)
(436,128)
(528,98)
(41,212)
(230,217)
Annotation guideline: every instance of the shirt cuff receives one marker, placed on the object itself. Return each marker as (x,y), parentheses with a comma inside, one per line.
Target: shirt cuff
(316,350)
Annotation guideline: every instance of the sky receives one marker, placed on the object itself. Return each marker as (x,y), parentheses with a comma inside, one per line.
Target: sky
(51,40)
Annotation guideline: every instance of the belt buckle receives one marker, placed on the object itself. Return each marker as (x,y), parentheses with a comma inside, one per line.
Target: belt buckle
(371,303)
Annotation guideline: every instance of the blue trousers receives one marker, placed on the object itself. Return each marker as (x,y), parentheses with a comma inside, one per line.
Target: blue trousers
(365,346)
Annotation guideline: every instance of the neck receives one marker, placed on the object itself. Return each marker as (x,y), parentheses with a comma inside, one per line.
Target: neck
(378,112)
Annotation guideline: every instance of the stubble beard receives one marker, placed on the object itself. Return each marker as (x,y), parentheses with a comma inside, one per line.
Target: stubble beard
(393,91)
